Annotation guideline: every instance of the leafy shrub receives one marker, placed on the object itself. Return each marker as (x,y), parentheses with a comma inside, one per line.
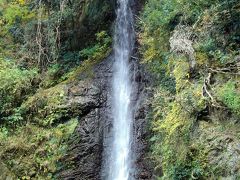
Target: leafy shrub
(14,15)
(46,107)
(220,56)
(52,76)
(181,74)
(173,118)
(181,172)
(33,152)
(206,46)
(103,42)
(214,36)
(15,85)
(230,96)
(154,24)
(14,12)
(93,54)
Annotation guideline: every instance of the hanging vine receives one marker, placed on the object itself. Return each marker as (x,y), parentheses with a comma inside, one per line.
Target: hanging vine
(48,36)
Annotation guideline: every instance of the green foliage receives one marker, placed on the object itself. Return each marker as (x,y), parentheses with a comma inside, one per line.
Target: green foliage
(158,14)
(103,42)
(46,106)
(221,57)
(173,120)
(93,54)
(181,74)
(230,96)
(157,21)
(16,12)
(16,84)
(173,127)
(179,96)
(42,44)
(14,15)
(181,172)
(206,45)
(43,33)
(52,76)
(159,18)
(34,152)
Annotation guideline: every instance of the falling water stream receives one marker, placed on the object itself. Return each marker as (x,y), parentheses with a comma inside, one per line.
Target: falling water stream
(120,162)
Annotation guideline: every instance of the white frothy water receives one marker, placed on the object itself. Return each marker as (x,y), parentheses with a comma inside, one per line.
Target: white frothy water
(120,163)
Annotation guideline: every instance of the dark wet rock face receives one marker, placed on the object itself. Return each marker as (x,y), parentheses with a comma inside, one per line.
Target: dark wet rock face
(90,144)
(84,157)
(85,96)
(141,132)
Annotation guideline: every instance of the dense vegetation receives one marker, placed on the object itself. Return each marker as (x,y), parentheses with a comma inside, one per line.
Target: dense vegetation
(44,46)
(191,48)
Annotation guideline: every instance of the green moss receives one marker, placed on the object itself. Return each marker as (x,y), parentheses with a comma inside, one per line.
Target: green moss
(46,106)
(181,74)
(176,150)
(201,58)
(174,118)
(174,130)
(230,96)
(33,152)
(86,69)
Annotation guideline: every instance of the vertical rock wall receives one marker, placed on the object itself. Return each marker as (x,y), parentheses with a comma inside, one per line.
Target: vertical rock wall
(90,144)
(85,158)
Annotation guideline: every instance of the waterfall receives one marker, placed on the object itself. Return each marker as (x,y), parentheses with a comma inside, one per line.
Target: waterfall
(120,161)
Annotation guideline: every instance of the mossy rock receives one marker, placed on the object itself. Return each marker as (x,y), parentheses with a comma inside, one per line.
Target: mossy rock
(34,152)
(47,105)
(219,146)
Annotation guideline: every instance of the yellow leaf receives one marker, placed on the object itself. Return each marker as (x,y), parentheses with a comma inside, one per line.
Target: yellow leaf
(22,2)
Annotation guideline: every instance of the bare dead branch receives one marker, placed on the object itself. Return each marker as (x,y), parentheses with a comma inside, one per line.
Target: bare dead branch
(225,70)
(205,90)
